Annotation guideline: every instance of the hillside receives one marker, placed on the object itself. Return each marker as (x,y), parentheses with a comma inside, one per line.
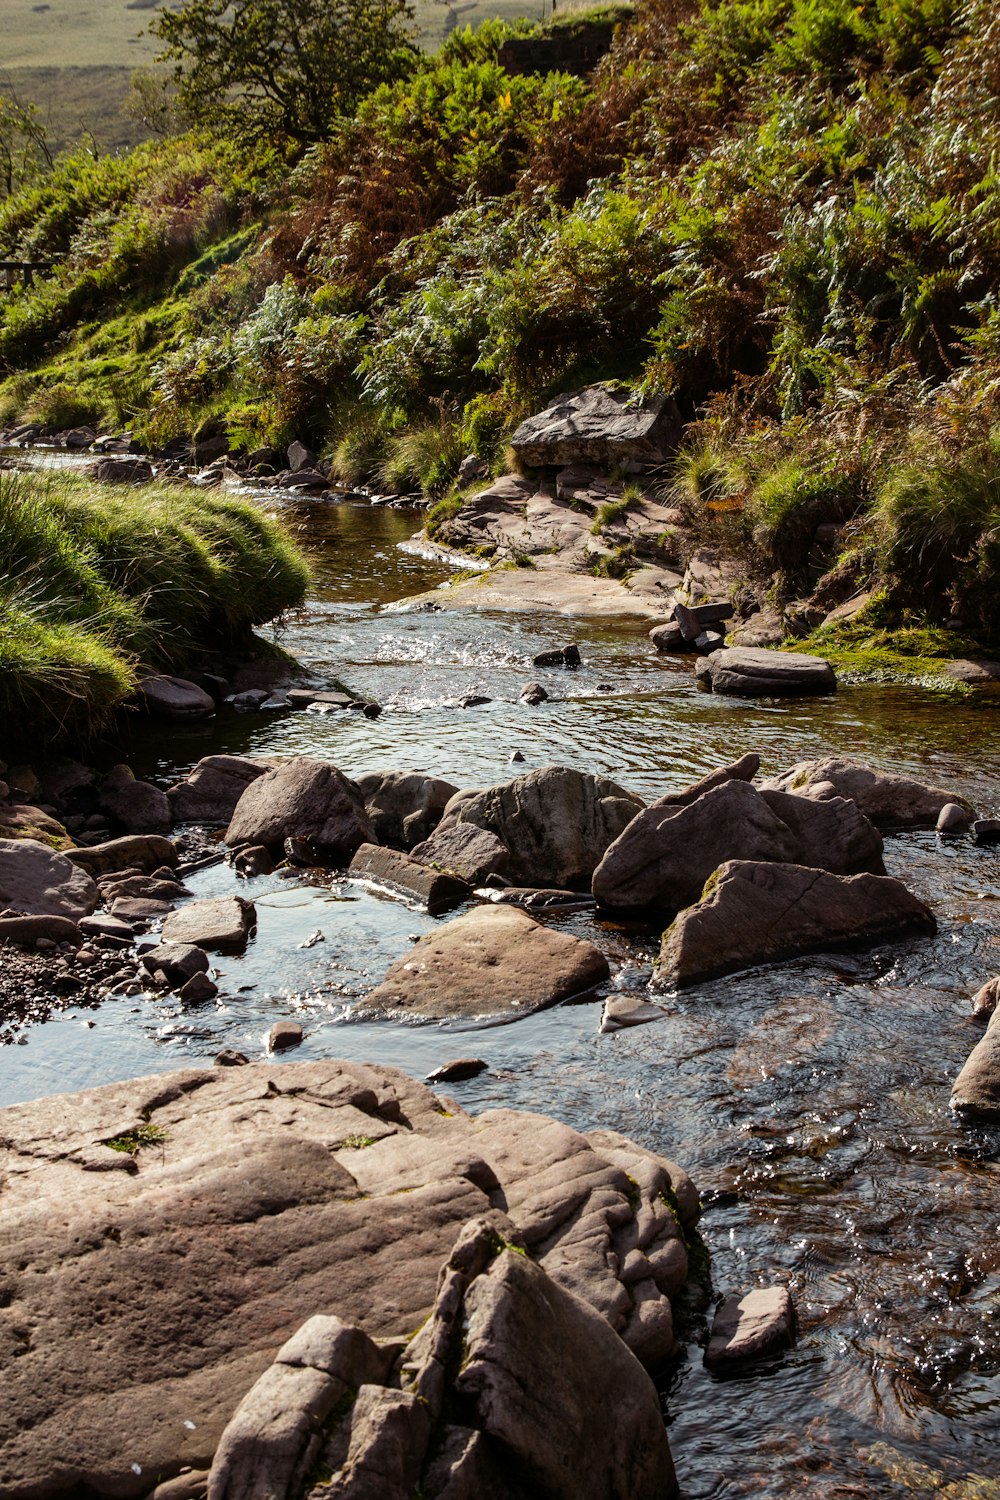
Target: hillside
(781,212)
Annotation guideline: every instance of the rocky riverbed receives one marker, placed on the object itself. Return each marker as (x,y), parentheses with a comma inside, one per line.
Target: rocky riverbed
(810,1101)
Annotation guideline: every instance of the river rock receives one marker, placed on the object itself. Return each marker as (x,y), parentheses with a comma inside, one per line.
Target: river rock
(668,637)
(953,820)
(136,806)
(222,924)
(984,1001)
(436,890)
(24,932)
(887,800)
(140,851)
(555,822)
(754,913)
(178,961)
(599,425)
(666,854)
(403,807)
(284,1034)
(759,1323)
(471,853)
(490,961)
(35,881)
(749,672)
(976,1095)
(21,820)
(302,799)
(244,1211)
(210,792)
(175,698)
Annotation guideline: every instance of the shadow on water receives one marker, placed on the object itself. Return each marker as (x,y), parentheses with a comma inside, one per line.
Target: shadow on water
(810,1100)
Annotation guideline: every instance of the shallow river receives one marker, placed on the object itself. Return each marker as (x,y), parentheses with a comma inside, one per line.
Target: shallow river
(810,1101)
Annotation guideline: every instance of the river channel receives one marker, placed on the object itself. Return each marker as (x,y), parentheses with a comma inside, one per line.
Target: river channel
(809,1101)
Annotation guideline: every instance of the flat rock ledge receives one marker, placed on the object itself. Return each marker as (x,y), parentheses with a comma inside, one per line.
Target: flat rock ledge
(164,1241)
(494,960)
(753,913)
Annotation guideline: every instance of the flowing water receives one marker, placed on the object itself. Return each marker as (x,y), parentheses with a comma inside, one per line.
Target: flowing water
(809,1101)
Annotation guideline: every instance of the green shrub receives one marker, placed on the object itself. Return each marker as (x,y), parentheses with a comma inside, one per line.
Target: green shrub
(425,457)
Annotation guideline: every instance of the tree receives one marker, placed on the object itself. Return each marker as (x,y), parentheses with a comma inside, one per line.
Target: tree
(24,149)
(289,67)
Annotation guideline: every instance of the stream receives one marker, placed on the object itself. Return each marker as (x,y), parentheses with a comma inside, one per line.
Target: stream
(809,1101)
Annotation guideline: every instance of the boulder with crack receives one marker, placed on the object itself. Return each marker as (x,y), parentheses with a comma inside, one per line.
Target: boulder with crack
(500,1394)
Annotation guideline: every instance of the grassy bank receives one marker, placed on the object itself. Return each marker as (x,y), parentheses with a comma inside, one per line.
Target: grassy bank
(781,213)
(101,584)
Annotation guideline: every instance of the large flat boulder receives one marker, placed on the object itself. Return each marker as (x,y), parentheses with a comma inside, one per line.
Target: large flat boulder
(35,881)
(138,851)
(220,924)
(888,800)
(303,799)
(753,672)
(669,850)
(403,807)
(599,425)
(751,913)
(210,792)
(161,1280)
(494,960)
(556,822)
(976,1095)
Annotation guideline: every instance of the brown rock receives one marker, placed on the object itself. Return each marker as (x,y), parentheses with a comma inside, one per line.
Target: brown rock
(136,806)
(556,822)
(749,1327)
(536,1362)
(755,672)
(284,1034)
(976,1095)
(469,852)
(37,882)
(302,799)
(24,932)
(599,425)
(210,792)
(435,890)
(175,698)
(403,807)
(136,851)
(241,1211)
(887,800)
(984,1001)
(489,961)
(222,924)
(754,913)
(178,961)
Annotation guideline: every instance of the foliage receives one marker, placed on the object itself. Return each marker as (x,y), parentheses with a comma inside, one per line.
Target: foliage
(24,149)
(289,67)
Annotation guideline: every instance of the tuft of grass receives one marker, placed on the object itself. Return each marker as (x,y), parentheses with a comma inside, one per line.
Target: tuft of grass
(135,1140)
(425,457)
(102,582)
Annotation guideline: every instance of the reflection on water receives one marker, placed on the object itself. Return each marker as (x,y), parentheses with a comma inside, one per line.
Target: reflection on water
(813,1096)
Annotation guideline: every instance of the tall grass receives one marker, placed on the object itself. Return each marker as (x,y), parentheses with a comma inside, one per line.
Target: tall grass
(101,584)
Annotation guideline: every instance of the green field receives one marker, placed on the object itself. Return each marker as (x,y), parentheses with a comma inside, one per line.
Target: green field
(109,33)
(73,58)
